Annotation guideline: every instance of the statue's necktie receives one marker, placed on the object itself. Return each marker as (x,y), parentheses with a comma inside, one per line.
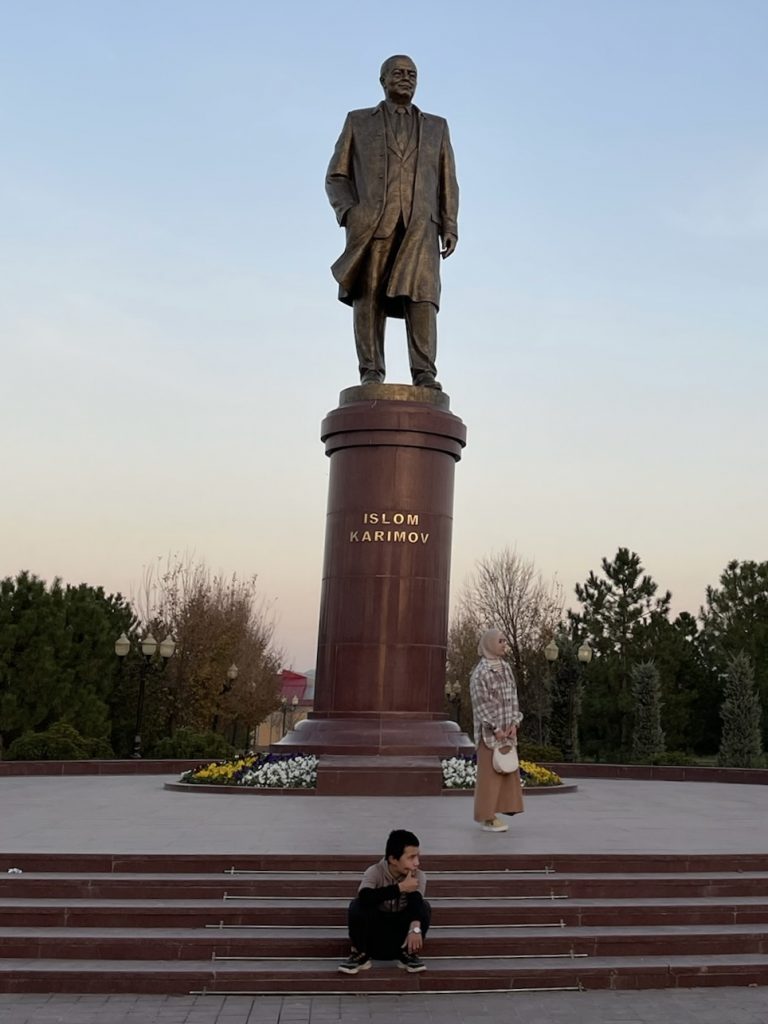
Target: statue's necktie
(401,127)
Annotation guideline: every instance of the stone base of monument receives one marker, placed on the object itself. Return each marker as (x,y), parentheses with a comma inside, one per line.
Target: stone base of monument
(380,775)
(377,756)
(382,636)
(393,736)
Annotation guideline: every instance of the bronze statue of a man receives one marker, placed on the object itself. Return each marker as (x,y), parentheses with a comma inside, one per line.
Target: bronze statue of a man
(392,182)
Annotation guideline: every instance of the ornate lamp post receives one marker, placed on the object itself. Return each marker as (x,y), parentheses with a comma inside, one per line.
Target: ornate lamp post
(551,653)
(232,674)
(286,706)
(294,705)
(453,696)
(584,654)
(149,646)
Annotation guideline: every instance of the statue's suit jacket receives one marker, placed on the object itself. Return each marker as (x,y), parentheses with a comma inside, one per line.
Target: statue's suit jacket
(356,184)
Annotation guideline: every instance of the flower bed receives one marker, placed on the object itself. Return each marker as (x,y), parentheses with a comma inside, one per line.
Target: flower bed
(299,771)
(261,771)
(461,773)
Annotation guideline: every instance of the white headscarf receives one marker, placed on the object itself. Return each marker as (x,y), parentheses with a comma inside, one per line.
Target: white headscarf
(487,648)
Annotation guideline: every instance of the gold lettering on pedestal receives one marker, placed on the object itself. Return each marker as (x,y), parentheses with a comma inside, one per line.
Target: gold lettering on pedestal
(389,536)
(391,518)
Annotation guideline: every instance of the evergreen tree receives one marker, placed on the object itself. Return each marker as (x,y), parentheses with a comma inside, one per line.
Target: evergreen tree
(689,690)
(647,736)
(735,620)
(57,661)
(741,743)
(567,675)
(621,617)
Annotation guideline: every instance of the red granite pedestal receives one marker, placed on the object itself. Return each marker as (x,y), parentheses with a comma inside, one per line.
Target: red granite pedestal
(380,678)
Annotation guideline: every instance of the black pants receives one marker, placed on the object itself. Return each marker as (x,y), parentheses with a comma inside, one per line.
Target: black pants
(380,933)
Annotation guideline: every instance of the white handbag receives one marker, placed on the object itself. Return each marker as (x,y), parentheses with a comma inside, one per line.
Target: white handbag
(505,759)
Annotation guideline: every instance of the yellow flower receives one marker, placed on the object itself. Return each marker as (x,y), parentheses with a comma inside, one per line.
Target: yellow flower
(541,776)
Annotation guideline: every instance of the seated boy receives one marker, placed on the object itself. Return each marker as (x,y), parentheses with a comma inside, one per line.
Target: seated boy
(389,918)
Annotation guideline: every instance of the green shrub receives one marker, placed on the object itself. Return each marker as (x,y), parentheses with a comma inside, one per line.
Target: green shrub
(62,742)
(32,746)
(187,744)
(100,749)
(538,752)
(673,758)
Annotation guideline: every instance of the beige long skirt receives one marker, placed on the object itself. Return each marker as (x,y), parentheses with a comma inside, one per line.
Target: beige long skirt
(495,793)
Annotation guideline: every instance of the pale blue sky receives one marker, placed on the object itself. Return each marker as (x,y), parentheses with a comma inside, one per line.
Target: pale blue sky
(169,329)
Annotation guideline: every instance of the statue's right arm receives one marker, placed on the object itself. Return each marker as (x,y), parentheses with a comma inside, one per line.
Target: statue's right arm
(339,181)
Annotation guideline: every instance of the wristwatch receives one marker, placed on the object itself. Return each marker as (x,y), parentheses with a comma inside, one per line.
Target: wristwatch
(415,930)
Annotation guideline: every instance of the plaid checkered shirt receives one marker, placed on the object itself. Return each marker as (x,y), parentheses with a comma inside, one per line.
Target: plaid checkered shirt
(494,699)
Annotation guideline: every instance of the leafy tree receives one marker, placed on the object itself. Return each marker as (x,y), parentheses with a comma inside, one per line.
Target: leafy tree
(57,660)
(647,736)
(621,615)
(216,622)
(509,593)
(741,744)
(462,656)
(735,620)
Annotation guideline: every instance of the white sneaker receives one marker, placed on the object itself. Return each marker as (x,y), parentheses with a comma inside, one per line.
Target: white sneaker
(494,825)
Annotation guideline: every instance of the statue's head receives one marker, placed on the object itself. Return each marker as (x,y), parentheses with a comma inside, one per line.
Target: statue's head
(398,78)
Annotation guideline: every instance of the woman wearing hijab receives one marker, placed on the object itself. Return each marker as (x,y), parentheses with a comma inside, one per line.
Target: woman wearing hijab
(497,715)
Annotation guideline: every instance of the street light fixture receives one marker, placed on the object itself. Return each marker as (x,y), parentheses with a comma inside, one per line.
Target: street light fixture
(232,674)
(584,656)
(149,646)
(287,705)
(551,653)
(453,696)
(122,645)
(167,647)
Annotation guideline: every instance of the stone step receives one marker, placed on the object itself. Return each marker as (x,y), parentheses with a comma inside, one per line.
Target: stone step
(353,877)
(472,886)
(454,974)
(141,913)
(179,913)
(272,942)
(600,863)
(155,924)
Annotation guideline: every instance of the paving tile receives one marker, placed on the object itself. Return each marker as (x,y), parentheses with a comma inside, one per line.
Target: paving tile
(14,1001)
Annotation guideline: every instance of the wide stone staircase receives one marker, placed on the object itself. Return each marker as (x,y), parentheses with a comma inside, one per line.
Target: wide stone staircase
(143,923)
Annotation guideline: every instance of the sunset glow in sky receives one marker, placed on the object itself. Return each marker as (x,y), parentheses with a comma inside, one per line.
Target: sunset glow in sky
(169,328)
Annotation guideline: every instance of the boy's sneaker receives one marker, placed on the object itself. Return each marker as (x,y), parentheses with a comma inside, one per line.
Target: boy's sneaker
(355,962)
(410,962)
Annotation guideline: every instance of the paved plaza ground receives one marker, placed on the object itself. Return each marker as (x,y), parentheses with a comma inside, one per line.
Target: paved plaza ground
(129,813)
(124,814)
(689,1006)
